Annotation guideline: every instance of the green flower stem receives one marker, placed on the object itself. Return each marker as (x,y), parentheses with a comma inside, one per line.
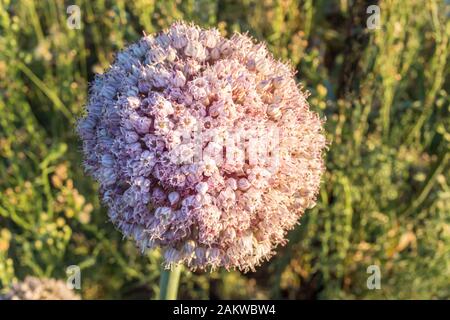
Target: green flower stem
(168,285)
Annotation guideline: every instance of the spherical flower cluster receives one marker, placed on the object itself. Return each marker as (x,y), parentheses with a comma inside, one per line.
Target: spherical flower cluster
(40,289)
(203,146)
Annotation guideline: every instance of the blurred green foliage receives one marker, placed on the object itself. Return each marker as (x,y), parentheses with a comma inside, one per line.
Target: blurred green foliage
(385,198)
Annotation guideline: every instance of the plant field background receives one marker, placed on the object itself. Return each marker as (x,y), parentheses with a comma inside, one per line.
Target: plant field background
(385,198)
